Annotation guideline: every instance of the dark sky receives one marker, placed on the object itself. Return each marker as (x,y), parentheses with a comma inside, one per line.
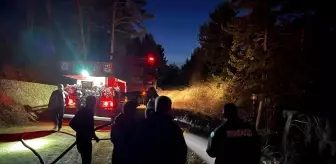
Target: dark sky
(176,25)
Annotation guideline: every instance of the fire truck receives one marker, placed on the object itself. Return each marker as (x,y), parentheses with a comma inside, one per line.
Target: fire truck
(93,79)
(141,74)
(103,80)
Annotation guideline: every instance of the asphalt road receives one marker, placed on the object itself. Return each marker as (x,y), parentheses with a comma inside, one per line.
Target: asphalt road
(198,146)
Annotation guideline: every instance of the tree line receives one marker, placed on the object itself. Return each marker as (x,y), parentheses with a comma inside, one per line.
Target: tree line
(279,51)
(36,33)
(270,48)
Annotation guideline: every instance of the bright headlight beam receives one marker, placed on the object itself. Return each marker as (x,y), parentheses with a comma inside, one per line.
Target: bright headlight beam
(85,73)
(35,144)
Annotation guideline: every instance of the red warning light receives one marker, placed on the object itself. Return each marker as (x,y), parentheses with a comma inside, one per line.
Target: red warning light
(150,59)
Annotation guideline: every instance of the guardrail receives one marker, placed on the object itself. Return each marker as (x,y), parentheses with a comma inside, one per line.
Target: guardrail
(35,108)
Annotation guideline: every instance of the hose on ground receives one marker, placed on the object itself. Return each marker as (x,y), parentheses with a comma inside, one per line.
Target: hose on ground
(66,151)
(31,149)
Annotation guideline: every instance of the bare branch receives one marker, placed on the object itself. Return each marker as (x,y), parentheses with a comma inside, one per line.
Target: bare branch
(116,22)
(132,33)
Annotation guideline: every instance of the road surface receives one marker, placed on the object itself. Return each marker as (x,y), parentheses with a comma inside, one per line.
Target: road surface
(195,143)
(198,145)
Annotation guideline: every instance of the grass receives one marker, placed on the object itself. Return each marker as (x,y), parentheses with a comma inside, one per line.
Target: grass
(199,105)
(12,114)
(50,147)
(204,98)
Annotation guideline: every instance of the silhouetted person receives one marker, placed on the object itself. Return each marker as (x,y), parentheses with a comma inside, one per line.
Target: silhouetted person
(160,139)
(123,133)
(150,108)
(235,141)
(83,124)
(151,94)
(79,96)
(56,106)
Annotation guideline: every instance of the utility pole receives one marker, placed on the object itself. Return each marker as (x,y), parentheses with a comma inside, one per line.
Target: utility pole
(115,4)
(30,14)
(80,16)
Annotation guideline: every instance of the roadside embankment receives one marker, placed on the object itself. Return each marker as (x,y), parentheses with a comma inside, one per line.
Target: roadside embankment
(16,97)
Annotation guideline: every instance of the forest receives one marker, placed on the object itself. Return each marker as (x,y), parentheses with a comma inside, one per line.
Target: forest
(270,58)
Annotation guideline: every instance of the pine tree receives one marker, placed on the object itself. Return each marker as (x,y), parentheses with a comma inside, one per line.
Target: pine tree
(216,42)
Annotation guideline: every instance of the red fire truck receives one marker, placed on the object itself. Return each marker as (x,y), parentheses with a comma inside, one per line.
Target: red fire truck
(100,80)
(141,74)
(93,78)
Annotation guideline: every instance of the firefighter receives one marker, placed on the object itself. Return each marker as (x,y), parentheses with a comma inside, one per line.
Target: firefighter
(150,107)
(160,140)
(79,96)
(235,141)
(122,134)
(83,124)
(151,94)
(56,106)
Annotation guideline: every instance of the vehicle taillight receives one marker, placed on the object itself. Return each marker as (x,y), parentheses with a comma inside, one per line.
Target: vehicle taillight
(71,102)
(107,104)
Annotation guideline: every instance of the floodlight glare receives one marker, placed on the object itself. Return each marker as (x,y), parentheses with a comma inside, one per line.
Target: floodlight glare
(85,73)
(35,144)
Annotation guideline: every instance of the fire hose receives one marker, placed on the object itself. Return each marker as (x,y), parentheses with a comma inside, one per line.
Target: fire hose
(66,151)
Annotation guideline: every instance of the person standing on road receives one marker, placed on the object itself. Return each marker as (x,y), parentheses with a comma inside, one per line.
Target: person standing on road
(235,141)
(160,139)
(56,106)
(83,124)
(122,134)
(151,94)
(150,108)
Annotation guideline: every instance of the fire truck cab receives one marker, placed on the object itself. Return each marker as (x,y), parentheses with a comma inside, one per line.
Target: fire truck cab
(142,72)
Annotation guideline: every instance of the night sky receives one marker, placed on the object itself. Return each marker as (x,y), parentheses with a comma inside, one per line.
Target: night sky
(176,25)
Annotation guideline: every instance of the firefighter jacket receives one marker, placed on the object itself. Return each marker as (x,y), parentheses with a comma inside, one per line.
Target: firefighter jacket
(234,142)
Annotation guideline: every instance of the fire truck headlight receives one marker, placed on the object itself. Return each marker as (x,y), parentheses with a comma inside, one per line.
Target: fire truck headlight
(85,73)
(105,103)
(111,104)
